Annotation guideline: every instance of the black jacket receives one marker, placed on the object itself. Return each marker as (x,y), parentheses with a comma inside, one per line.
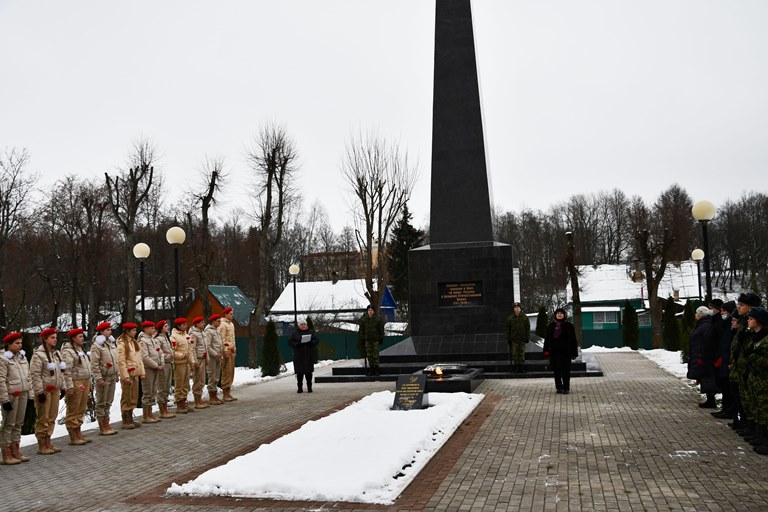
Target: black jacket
(699,343)
(303,353)
(564,347)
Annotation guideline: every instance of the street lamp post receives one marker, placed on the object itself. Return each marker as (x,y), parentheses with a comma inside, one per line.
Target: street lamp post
(176,237)
(141,252)
(704,211)
(697,255)
(294,271)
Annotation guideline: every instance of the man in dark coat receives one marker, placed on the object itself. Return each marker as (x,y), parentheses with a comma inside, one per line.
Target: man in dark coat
(371,334)
(561,345)
(303,343)
(724,337)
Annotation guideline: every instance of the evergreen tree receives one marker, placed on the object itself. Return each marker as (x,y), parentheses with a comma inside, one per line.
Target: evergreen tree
(541,322)
(404,238)
(270,361)
(630,335)
(671,327)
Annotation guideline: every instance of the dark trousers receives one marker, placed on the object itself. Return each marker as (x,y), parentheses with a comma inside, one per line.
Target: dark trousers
(300,379)
(562,369)
(736,396)
(725,388)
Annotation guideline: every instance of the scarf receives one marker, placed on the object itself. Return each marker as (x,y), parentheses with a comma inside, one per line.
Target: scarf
(558,328)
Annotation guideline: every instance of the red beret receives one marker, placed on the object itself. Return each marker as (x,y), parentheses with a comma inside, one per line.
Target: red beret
(179,321)
(47,332)
(103,326)
(159,325)
(214,317)
(129,325)
(226,310)
(197,319)
(12,336)
(147,323)
(74,332)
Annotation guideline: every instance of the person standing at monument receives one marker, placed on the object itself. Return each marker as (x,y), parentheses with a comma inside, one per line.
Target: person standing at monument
(518,332)
(184,360)
(758,378)
(700,360)
(15,387)
(561,345)
(303,342)
(47,372)
(200,367)
(724,336)
(77,381)
(741,349)
(131,369)
(213,361)
(104,374)
(371,333)
(229,350)
(164,384)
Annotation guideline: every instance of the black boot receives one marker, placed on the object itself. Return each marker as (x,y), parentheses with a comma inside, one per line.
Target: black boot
(309,383)
(710,403)
(299,379)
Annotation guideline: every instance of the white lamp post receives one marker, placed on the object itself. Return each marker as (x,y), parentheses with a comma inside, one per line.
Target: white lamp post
(294,271)
(697,255)
(176,237)
(704,211)
(141,252)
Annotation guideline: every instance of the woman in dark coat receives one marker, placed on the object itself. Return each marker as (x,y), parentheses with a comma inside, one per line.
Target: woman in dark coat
(303,343)
(701,361)
(561,345)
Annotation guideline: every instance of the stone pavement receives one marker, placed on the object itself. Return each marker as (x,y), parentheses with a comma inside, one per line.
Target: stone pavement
(632,440)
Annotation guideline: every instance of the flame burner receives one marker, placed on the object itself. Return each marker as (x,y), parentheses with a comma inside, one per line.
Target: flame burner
(444,370)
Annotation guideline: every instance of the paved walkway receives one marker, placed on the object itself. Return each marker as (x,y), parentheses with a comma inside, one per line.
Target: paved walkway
(632,440)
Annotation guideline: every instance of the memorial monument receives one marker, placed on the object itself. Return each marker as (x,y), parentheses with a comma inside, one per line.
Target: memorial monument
(461,283)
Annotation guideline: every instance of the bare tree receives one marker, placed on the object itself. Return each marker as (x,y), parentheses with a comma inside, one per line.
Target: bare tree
(127,192)
(15,185)
(381,180)
(573,275)
(273,162)
(213,176)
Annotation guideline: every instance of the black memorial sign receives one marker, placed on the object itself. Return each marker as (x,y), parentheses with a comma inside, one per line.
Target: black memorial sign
(457,294)
(409,393)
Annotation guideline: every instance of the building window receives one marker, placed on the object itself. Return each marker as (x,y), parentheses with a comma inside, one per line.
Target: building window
(644,320)
(604,317)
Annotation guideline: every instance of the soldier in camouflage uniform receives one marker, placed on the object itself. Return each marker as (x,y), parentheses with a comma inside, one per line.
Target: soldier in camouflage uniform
(741,348)
(371,333)
(757,366)
(518,331)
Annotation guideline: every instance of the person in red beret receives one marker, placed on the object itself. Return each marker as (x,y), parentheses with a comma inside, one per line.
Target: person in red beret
(47,371)
(154,369)
(164,386)
(77,381)
(184,359)
(15,386)
(200,366)
(131,369)
(213,346)
(229,349)
(104,374)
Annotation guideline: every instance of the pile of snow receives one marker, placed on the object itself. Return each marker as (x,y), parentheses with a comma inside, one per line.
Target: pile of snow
(365,453)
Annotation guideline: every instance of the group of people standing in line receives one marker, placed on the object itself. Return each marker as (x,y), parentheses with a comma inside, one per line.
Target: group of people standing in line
(728,353)
(560,345)
(155,357)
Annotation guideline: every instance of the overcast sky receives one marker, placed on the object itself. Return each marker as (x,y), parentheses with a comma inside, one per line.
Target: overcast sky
(578,96)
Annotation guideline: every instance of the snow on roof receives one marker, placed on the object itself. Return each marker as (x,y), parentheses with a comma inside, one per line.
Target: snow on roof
(315,296)
(613,282)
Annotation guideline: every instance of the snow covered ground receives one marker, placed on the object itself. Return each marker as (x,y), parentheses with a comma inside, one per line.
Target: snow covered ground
(243,377)
(365,453)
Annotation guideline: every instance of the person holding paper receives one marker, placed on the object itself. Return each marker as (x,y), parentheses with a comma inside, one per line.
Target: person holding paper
(303,342)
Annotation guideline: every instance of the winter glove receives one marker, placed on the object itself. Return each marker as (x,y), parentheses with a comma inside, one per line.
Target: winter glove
(719,362)
(699,362)
(546,354)
(41,398)
(7,406)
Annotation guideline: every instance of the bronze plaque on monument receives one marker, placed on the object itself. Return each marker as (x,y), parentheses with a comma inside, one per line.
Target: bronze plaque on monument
(459,293)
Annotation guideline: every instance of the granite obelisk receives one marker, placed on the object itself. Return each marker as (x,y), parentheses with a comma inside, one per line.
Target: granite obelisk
(461,284)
